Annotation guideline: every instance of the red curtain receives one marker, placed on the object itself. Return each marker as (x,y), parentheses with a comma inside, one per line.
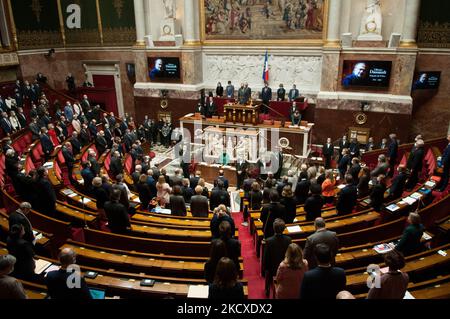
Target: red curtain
(104,92)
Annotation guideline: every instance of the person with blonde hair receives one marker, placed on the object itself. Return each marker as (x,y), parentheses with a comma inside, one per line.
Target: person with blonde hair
(288,279)
(163,191)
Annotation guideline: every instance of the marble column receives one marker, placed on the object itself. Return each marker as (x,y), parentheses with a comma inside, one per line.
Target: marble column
(140,21)
(191,23)
(333,30)
(148,24)
(411,17)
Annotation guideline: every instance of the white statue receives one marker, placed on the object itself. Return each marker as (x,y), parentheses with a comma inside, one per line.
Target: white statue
(371,22)
(169,8)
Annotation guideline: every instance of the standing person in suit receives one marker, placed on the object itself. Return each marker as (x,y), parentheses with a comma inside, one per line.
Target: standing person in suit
(343,143)
(23,251)
(177,203)
(324,281)
(241,167)
(328,152)
(293,93)
(20,216)
(145,194)
(321,236)
(193,181)
(415,164)
(381,169)
(223,179)
(247,93)
(446,167)
(219,196)
(266,97)
(219,90)
(241,95)
(370,146)
(354,148)
(211,108)
(101,143)
(46,197)
(377,194)
(398,183)
(199,203)
(392,154)
(88,176)
(281,93)
(355,169)
(117,214)
(394,283)
(75,143)
(344,163)
(410,243)
(21,117)
(271,212)
(274,252)
(69,160)
(233,245)
(314,203)
(218,250)
(288,201)
(230,90)
(5,124)
(57,280)
(347,197)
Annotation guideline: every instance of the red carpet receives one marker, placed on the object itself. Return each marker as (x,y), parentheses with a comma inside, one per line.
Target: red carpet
(252,268)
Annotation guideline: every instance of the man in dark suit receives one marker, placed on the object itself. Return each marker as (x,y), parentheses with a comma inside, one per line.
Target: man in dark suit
(354,148)
(327,153)
(115,166)
(100,143)
(70,160)
(302,189)
(381,169)
(219,196)
(84,137)
(445,159)
(266,96)
(344,163)
(20,216)
(211,107)
(355,169)
(87,175)
(193,181)
(199,203)
(347,197)
(274,252)
(281,93)
(21,117)
(392,154)
(325,281)
(398,183)
(46,143)
(271,212)
(314,203)
(57,280)
(118,219)
(75,143)
(5,124)
(415,164)
(241,167)
(343,143)
(177,203)
(186,191)
(226,234)
(223,179)
(321,236)
(293,93)
(46,197)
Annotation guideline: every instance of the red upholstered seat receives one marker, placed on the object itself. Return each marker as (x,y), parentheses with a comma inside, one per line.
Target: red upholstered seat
(29,165)
(128,164)
(61,159)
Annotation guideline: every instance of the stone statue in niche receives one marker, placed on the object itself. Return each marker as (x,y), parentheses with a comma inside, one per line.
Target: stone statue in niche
(371,22)
(169,9)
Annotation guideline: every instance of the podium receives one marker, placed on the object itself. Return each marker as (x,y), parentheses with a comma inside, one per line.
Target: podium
(238,113)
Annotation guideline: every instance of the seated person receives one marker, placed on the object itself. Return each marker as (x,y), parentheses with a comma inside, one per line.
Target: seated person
(295,114)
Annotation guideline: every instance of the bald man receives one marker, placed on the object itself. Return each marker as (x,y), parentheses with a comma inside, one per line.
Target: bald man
(65,283)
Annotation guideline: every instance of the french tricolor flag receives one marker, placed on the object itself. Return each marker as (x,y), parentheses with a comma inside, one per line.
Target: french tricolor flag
(266,68)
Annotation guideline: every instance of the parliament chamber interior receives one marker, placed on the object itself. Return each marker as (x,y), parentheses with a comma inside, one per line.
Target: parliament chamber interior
(210,150)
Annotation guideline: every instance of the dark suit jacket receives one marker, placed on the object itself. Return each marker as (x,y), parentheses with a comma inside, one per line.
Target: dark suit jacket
(393,151)
(215,222)
(57,287)
(193,182)
(354,149)
(266,94)
(410,242)
(290,209)
(324,236)
(347,199)
(115,166)
(145,194)
(281,94)
(323,283)
(76,146)
(19,218)
(313,207)
(46,196)
(302,191)
(199,206)
(177,205)
(224,180)
(118,219)
(68,157)
(415,161)
(219,196)
(344,163)
(377,196)
(328,151)
(46,143)
(398,185)
(101,144)
(268,215)
(363,186)
(274,252)
(24,253)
